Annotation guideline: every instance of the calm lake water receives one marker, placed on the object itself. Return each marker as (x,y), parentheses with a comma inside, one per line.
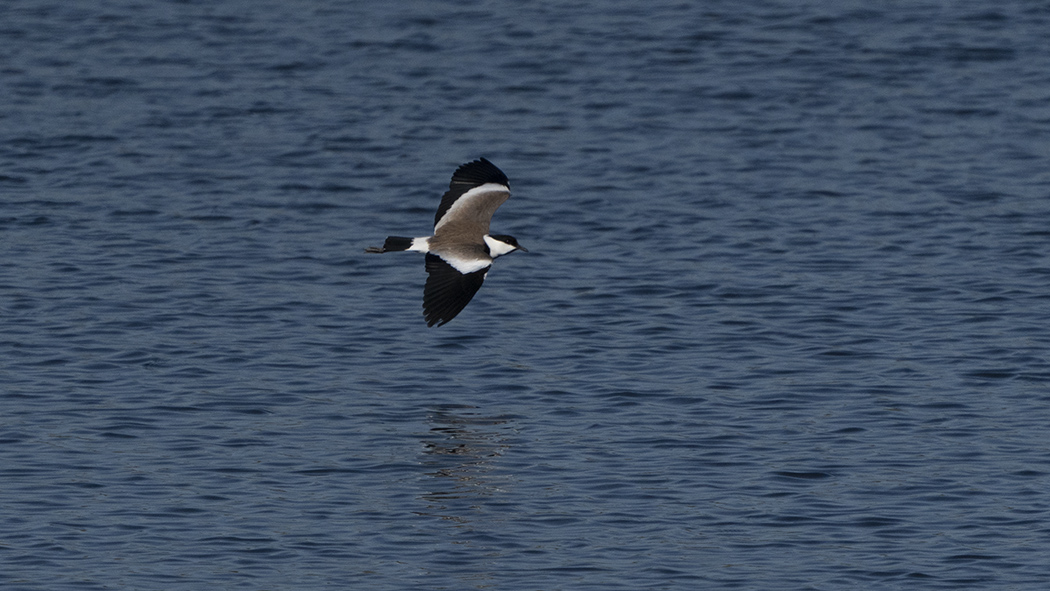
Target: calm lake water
(785,322)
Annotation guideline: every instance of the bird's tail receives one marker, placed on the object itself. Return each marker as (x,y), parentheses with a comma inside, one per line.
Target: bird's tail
(392,244)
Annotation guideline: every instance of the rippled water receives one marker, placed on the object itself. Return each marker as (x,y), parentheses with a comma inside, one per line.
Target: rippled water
(783,324)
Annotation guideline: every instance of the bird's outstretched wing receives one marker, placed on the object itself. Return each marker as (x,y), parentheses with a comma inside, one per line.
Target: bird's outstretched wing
(448,291)
(476,191)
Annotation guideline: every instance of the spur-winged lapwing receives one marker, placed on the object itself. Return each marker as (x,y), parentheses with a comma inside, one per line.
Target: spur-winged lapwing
(461,251)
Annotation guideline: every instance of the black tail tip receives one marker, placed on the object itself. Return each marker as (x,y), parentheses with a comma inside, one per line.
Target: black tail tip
(392,244)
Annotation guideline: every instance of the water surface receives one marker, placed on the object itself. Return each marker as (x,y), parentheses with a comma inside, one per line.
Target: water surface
(783,324)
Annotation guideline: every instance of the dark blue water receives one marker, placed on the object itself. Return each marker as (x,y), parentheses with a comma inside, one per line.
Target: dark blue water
(784,323)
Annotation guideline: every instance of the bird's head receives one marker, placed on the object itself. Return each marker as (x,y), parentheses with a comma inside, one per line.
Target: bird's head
(501,244)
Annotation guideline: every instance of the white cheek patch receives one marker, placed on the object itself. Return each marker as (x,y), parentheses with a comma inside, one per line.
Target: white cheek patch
(497,248)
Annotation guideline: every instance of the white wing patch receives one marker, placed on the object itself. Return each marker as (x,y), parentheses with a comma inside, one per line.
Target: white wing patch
(469,196)
(465,265)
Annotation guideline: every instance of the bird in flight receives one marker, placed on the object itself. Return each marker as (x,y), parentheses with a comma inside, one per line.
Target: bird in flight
(461,251)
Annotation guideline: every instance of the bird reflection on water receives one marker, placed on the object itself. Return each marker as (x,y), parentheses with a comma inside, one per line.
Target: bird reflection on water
(461,451)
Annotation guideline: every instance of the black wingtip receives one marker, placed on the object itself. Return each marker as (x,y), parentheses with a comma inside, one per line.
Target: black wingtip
(447,291)
(479,172)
